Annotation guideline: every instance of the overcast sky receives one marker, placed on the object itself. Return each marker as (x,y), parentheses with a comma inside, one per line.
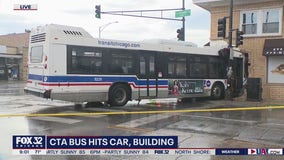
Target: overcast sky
(81,13)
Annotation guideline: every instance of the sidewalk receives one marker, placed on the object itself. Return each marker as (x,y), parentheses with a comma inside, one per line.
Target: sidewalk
(243,99)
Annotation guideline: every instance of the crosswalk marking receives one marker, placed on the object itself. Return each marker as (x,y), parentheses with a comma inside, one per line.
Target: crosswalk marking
(57,119)
(101,110)
(92,116)
(144,120)
(131,129)
(129,124)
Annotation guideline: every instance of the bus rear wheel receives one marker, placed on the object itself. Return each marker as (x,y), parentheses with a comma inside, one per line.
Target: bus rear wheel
(217,91)
(119,95)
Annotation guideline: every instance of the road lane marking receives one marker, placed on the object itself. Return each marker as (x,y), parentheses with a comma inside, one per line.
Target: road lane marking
(141,112)
(102,109)
(57,119)
(91,116)
(132,129)
(145,120)
(133,124)
(221,119)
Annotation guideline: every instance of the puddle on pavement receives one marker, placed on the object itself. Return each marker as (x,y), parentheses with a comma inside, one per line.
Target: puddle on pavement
(11,126)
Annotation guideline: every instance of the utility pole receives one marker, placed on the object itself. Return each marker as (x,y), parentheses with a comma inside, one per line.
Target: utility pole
(231,24)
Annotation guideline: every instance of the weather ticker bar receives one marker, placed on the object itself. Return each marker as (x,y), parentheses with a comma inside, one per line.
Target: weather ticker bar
(120,145)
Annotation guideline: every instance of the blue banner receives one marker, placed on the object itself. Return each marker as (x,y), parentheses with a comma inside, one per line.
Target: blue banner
(112,142)
(231,151)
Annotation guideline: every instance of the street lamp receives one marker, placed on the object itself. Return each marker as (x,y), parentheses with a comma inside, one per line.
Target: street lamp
(101,28)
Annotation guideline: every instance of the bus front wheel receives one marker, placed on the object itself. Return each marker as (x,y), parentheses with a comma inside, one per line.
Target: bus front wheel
(119,95)
(217,91)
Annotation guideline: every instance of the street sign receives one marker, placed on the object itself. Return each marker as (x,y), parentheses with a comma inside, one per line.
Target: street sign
(183,13)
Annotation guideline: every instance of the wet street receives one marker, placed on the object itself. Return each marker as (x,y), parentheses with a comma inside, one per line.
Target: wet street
(198,124)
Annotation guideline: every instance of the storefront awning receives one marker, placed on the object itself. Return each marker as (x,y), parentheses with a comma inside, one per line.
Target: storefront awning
(273,47)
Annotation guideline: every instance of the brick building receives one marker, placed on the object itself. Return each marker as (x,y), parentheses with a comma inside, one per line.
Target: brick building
(14,56)
(262,24)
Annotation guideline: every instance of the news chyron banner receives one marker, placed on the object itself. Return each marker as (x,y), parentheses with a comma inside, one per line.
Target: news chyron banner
(119,145)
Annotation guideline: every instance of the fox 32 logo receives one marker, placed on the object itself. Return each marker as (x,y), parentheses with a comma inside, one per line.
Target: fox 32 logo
(28,142)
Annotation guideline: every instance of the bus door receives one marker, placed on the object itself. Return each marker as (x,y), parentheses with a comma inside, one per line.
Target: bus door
(148,86)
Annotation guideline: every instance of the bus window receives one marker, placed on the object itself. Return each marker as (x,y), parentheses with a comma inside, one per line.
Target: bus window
(216,68)
(142,66)
(85,61)
(122,63)
(198,67)
(36,54)
(177,67)
(152,64)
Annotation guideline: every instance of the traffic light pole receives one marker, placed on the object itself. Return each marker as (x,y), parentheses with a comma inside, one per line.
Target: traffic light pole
(230,71)
(134,13)
(183,20)
(231,25)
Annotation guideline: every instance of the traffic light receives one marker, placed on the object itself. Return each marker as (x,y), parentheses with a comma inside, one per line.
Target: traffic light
(98,11)
(239,38)
(222,27)
(180,35)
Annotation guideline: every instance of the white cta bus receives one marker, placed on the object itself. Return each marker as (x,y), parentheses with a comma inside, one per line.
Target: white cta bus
(67,63)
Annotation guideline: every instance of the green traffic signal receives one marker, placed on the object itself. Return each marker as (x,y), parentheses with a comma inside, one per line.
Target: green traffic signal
(98,11)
